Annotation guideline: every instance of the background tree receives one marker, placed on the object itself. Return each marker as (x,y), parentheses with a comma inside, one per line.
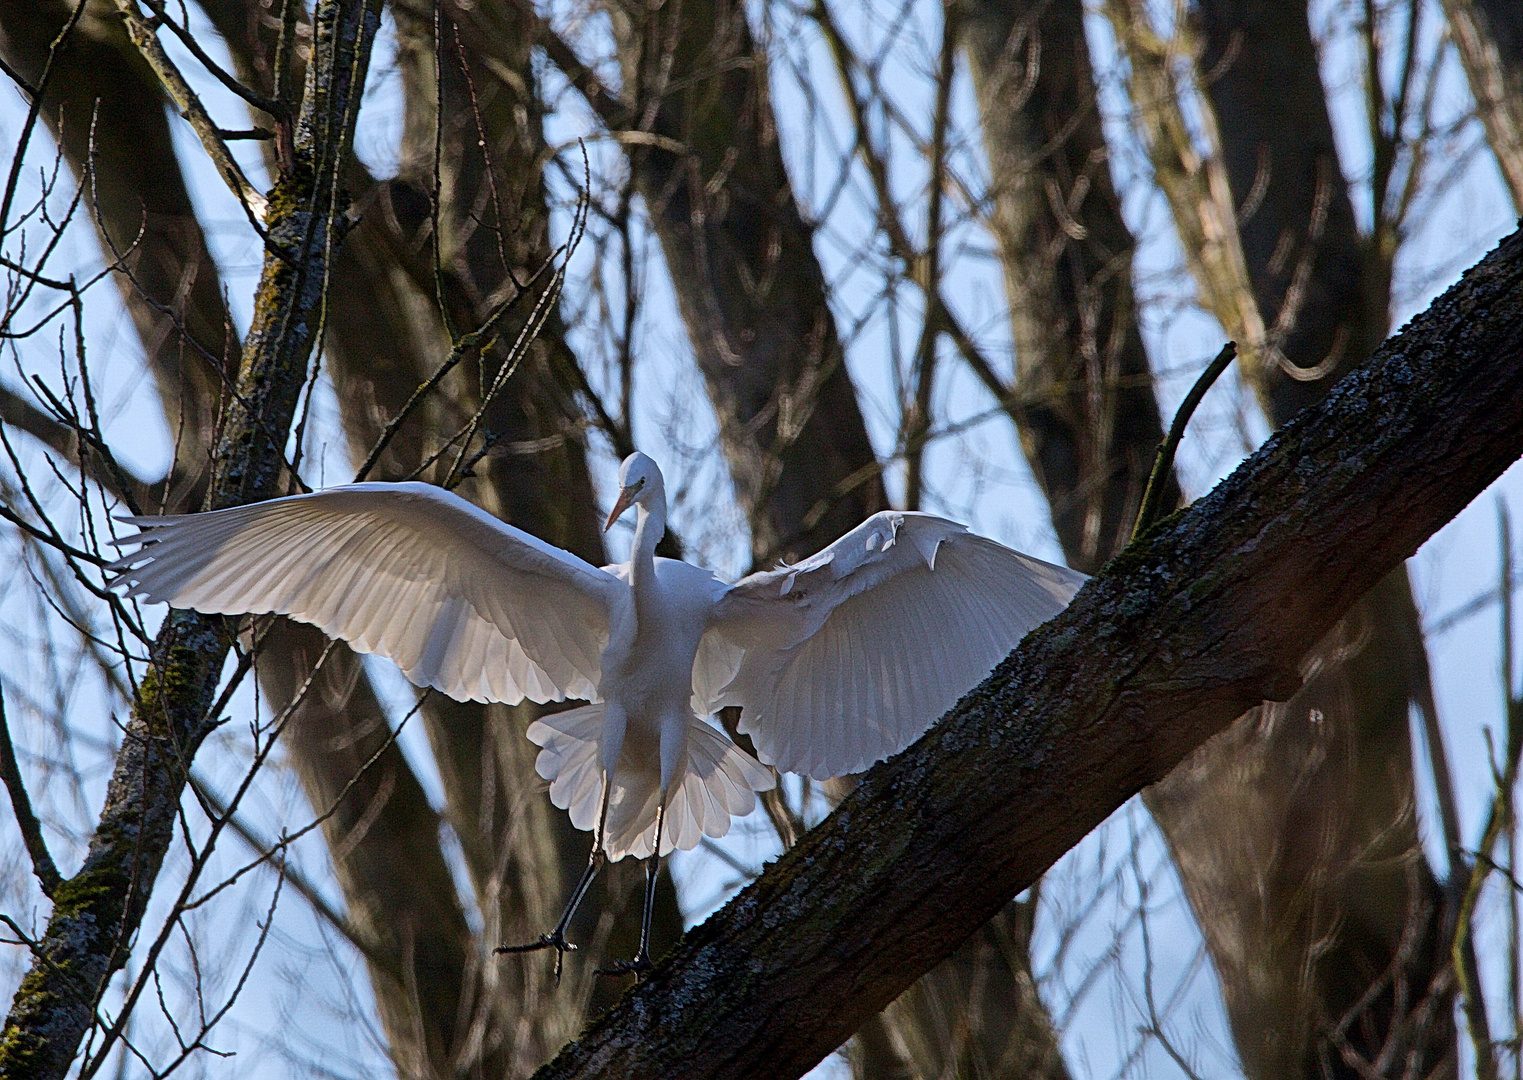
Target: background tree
(496,310)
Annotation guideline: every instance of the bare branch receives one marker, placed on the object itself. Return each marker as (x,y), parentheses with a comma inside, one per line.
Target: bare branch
(188,102)
(21,805)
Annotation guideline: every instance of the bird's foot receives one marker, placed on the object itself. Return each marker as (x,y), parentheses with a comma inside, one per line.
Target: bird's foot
(553,940)
(638,967)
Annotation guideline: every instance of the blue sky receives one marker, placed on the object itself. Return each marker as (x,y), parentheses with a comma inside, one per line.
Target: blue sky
(307,991)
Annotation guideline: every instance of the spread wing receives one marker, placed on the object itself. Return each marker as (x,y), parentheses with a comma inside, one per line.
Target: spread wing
(850,655)
(460,601)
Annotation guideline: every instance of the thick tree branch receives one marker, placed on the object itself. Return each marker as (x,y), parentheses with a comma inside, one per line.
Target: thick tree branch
(1206,616)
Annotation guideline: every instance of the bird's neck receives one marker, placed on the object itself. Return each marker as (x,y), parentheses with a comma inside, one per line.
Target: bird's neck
(650,526)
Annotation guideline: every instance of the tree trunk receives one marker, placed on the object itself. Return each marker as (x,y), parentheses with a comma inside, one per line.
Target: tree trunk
(1326,940)
(521,852)
(99,909)
(1489,37)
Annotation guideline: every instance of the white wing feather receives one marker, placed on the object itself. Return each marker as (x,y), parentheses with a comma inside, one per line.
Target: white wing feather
(460,601)
(851,654)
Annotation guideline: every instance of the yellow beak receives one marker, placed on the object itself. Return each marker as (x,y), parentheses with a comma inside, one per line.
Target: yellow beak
(626,500)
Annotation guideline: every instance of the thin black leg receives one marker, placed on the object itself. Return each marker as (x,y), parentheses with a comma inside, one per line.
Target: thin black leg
(556,938)
(642,963)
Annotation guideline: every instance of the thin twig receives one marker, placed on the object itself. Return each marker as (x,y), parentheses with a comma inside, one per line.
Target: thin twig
(21,805)
(1163,464)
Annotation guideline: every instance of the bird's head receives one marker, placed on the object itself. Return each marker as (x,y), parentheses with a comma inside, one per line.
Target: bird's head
(640,484)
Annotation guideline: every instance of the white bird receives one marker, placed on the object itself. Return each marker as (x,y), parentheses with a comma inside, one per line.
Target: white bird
(837,661)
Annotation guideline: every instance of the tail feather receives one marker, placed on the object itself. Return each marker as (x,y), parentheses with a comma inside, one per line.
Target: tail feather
(569,759)
(719,783)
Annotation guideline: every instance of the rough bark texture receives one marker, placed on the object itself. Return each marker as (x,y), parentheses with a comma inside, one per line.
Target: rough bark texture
(1489,37)
(1208,614)
(97,912)
(1328,940)
(750,287)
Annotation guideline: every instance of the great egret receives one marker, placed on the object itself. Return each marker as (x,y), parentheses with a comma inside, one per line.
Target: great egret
(837,661)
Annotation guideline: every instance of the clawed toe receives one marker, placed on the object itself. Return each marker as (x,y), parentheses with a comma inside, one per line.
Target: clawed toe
(553,940)
(636,967)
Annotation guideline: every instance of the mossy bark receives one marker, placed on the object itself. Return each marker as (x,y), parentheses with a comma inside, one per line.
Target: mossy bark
(1208,614)
(97,912)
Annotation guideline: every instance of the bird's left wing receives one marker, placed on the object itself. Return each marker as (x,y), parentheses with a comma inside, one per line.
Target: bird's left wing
(459,600)
(850,655)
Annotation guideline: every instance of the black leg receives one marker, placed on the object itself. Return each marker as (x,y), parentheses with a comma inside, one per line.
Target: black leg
(642,963)
(556,939)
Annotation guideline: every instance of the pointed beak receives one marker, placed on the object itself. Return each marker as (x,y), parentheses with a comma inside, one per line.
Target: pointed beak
(626,500)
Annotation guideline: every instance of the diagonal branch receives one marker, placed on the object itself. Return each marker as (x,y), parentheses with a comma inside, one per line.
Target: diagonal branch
(21,805)
(1206,616)
(188,102)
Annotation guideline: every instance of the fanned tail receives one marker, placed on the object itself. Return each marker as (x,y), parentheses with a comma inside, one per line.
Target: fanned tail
(569,759)
(719,783)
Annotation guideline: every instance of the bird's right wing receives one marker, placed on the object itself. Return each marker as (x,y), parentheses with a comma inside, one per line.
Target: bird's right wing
(459,600)
(850,655)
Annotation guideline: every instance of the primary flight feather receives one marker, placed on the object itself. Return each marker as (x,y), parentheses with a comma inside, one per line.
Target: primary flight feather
(836,661)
